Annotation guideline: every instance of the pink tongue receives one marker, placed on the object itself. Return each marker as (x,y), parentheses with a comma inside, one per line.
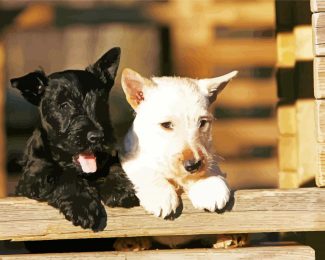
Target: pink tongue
(88,163)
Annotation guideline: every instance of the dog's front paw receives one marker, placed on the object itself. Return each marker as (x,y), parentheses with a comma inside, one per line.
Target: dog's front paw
(85,212)
(162,201)
(211,193)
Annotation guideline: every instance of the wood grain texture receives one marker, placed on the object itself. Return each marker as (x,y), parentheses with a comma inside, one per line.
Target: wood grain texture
(3,174)
(320,174)
(317,5)
(318,24)
(320,135)
(289,252)
(253,211)
(307,141)
(319,77)
(320,120)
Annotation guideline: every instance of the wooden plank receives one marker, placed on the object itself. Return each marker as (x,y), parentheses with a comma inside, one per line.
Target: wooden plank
(318,23)
(286,118)
(232,137)
(288,153)
(320,173)
(288,180)
(320,134)
(303,42)
(285,42)
(307,142)
(3,174)
(286,252)
(320,120)
(248,93)
(253,211)
(317,5)
(319,77)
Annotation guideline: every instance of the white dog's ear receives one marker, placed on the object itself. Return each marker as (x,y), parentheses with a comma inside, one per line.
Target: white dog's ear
(133,84)
(213,86)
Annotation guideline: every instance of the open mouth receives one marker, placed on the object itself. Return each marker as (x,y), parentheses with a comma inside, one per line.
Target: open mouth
(87,161)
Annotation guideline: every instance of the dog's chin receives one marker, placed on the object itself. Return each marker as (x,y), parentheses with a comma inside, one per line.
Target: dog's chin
(86,161)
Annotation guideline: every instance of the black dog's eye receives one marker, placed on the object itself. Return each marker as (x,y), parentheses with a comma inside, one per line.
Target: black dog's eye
(64,105)
(167,125)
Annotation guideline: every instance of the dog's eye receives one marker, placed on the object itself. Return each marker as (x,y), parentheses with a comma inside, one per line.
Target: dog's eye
(64,105)
(167,125)
(204,123)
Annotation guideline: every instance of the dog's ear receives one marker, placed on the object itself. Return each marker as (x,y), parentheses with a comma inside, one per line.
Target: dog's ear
(213,86)
(133,85)
(106,67)
(31,86)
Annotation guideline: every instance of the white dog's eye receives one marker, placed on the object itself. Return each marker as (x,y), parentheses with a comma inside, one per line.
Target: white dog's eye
(204,123)
(167,125)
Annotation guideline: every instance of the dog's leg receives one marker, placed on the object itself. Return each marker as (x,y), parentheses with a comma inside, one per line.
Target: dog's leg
(157,196)
(79,202)
(117,190)
(211,193)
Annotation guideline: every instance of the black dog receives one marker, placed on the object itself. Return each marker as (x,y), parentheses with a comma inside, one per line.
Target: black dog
(69,160)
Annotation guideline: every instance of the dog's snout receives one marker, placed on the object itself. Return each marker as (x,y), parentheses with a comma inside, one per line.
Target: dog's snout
(192,165)
(95,136)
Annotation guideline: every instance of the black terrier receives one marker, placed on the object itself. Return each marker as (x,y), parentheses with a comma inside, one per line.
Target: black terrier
(70,160)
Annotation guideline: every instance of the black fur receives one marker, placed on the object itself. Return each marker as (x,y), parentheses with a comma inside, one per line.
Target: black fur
(74,112)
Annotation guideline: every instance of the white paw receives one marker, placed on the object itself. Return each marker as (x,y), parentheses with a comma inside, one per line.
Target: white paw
(159,200)
(211,193)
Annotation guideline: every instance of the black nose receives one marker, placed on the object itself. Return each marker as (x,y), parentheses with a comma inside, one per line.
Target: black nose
(192,165)
(95,136)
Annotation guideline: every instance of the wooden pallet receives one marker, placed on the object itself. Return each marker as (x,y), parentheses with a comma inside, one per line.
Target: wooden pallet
(285,252)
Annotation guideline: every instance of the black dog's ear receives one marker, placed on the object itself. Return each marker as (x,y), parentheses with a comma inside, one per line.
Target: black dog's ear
(106,67)
(31,86)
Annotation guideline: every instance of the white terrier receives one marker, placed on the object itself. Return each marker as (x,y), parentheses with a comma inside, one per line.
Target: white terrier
(168,149)
(169,145)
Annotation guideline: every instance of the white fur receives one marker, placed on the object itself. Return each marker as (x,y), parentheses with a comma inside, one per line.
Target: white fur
(211,193)
(153,155)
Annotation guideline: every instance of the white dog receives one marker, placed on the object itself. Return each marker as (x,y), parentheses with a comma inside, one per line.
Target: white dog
(169,145)
(168,149)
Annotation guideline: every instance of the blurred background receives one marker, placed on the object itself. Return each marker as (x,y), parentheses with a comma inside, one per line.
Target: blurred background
(188,38)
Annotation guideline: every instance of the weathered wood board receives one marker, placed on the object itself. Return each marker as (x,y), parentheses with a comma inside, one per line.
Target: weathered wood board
(3,175)
(253,211)
(307,142)
(319,77)
(318,23)
(288,252)
(317,5)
